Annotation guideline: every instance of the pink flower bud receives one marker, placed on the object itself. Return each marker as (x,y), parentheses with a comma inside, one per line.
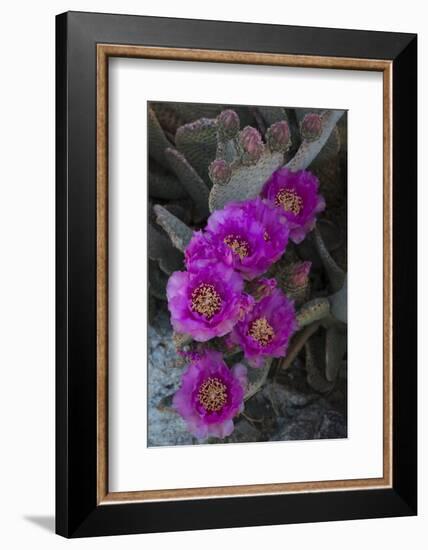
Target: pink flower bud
(251,144)
(263,287)
(220,172)
(278,136)
(228,124)
(299,274)
(311,127)
(294,279)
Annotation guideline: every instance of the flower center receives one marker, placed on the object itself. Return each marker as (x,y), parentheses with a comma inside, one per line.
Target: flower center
(238,245)
(266,236)
(289,200)
(212,394)
(206,300)
(261,331)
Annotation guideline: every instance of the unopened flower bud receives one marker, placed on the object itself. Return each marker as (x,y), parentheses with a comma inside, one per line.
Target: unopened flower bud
(251,144)
(311,127)
(228,124)
(263,287)
(296,281)
(299,274)
(278,136)
(220,172)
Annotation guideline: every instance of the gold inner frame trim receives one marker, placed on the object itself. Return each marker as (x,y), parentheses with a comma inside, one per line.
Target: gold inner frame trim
(104,51)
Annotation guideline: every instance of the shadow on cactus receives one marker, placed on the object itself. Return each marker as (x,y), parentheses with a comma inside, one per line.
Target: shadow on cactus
(247,273)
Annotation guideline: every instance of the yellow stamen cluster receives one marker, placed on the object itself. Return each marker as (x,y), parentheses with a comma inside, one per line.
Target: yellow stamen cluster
(238,245)
(212,394)
(206,300)
(289,200)
(261,331)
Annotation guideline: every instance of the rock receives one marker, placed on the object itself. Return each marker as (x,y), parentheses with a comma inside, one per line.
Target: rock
(244,432)
(317,421)
(332,426)
(296,411)
(285,410)
(165,427)
(293,382)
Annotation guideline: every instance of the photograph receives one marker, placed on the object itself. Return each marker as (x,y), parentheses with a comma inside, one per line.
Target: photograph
(247,273)
(212,275)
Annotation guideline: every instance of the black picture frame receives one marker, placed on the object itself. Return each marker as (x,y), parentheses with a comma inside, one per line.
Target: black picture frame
(77,511)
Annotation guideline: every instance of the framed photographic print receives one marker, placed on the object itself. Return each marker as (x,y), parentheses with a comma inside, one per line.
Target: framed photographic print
(236,274)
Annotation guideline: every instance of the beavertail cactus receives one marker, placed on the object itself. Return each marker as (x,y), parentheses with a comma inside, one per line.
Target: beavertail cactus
(235,250)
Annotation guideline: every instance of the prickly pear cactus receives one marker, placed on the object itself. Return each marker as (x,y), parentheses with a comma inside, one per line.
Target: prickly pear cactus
(203,157)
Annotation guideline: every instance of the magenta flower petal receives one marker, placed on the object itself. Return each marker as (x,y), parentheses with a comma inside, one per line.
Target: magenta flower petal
(210,396)
(207,302)
(296,195)
(240,373)
(248,235)
(266,329)
(203,251)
